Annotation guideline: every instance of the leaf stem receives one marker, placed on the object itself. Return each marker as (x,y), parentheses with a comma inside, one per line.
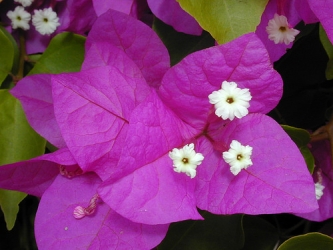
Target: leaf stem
(325,132)
(23,56)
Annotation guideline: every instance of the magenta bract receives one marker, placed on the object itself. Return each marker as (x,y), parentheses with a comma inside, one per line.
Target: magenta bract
(36,175)
(310,11)
(172,14)
(92,109)
(154,193)
(277,182)
(35,95)
(323,174)
(104,229)
(137,40)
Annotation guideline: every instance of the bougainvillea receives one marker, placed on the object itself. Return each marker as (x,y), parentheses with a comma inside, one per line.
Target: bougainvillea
(190,82)
(133,144)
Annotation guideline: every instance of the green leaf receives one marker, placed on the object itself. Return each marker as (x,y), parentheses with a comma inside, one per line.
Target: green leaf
(329,69)
(179,44)
(310,241)
(216,232)
(18,141)
(329,50)
(226,19)
(65,53)
(325,42)
(301,137)
(9,53)
(259,234)
(9,201)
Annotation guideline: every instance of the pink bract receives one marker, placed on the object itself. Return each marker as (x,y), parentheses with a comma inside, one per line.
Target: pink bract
(244,61)
(36,175)
(92,109)
(172,14)
(277,182)
(287,9)
(104,229)
(138,9)
(323,173)
(322,9)
(153,192)
(309,11)
(38,106)
(124,6)
(139,42)
(48,177)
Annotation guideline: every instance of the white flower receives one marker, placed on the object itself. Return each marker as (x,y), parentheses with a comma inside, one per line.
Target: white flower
(45,21)
(319,190)
(280,31)
(25,3)
(238,157)
(186,160)
(230,101)
(20,18)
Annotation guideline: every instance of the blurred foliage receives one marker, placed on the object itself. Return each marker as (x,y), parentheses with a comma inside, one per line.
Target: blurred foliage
(18,142)
(225,19)
(302,138)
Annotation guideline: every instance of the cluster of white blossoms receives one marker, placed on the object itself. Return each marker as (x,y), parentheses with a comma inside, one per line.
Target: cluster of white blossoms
(186,160)
(238,157)
(280,31)
(230,101)
(25,3)
(319,190)
(45,21)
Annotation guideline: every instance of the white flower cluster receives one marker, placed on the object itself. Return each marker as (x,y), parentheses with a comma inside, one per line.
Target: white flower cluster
(280,31)
(186,160)
(45,21)
(25,3)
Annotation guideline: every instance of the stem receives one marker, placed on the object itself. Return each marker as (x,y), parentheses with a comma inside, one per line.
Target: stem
(289,230)
(325,132)
(23,55)
(281,119)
